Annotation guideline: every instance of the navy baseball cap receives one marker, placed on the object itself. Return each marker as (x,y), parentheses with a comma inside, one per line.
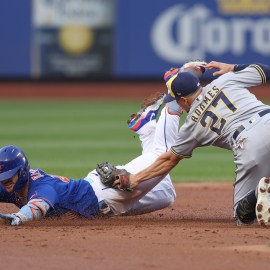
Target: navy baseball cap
(180,84)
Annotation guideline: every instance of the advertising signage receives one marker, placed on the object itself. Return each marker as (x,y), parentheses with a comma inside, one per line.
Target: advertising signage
(73,39)
(155,35)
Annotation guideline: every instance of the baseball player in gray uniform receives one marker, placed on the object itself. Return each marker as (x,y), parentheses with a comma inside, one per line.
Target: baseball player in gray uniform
(224,114)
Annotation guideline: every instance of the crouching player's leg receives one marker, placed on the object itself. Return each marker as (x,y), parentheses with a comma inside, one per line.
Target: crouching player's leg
(256,204)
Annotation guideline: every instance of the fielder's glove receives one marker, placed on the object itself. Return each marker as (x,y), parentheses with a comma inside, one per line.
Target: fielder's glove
(197,68)
(109,174)
(14,219)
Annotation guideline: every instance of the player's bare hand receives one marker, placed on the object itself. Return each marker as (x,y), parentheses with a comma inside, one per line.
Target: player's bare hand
(132,181)
(222,67)
(126,182)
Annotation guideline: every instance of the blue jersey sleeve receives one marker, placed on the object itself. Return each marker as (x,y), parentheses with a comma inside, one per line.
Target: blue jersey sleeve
(45,192)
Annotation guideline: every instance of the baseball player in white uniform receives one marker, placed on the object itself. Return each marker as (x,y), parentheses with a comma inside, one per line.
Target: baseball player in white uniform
(156,138)
(224,114)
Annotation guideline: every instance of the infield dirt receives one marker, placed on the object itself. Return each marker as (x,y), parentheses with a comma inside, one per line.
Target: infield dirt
(197,232)
(93,90)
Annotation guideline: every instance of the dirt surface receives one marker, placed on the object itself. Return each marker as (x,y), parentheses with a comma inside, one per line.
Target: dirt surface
(197,232)
(93,90)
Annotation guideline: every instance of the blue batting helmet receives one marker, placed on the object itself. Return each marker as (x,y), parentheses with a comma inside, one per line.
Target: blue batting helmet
(12,161)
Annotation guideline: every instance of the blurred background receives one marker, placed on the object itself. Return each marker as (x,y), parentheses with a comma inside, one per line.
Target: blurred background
(72,71)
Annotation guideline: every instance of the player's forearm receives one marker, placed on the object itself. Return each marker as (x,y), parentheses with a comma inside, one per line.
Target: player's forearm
(239,67)
(34,210)
(224,68)
(162,166)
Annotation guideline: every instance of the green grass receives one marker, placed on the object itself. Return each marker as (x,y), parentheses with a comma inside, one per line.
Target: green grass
(70,137)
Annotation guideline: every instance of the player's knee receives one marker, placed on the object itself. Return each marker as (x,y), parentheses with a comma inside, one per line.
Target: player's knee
(171,198)
(245,211)
(167,198)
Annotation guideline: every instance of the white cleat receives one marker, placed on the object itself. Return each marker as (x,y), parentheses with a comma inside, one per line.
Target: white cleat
(149,111)
(197,68)
(263,202)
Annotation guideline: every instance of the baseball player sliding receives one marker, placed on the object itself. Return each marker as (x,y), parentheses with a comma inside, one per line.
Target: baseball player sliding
(224,114)
(39,194)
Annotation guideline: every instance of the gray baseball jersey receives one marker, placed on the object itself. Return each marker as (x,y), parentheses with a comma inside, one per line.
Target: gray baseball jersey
(224,105)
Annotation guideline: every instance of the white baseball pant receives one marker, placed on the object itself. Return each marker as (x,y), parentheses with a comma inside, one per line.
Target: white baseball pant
(155,194)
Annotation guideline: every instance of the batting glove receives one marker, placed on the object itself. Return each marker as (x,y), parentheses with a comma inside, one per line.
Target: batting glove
(13,218)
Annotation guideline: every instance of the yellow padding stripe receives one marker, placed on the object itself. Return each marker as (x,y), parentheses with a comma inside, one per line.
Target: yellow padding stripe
(179,155)
(261,72)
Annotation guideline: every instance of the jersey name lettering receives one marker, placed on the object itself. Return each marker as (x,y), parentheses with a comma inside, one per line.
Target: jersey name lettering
(35,174)
(62,178)
(208,99)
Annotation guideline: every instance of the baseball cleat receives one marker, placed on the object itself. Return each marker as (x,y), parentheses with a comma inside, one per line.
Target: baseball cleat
(149,110)
(197,64)
(174,108)
(263,202)
(197,68)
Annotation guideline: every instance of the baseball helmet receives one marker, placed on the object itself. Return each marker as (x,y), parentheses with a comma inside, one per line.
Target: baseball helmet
(168,74)
(12,161)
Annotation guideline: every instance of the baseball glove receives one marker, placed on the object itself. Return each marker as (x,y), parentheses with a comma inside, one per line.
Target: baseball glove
(109,173)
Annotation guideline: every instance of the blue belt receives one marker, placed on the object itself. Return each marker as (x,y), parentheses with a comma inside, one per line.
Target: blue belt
(241,128)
